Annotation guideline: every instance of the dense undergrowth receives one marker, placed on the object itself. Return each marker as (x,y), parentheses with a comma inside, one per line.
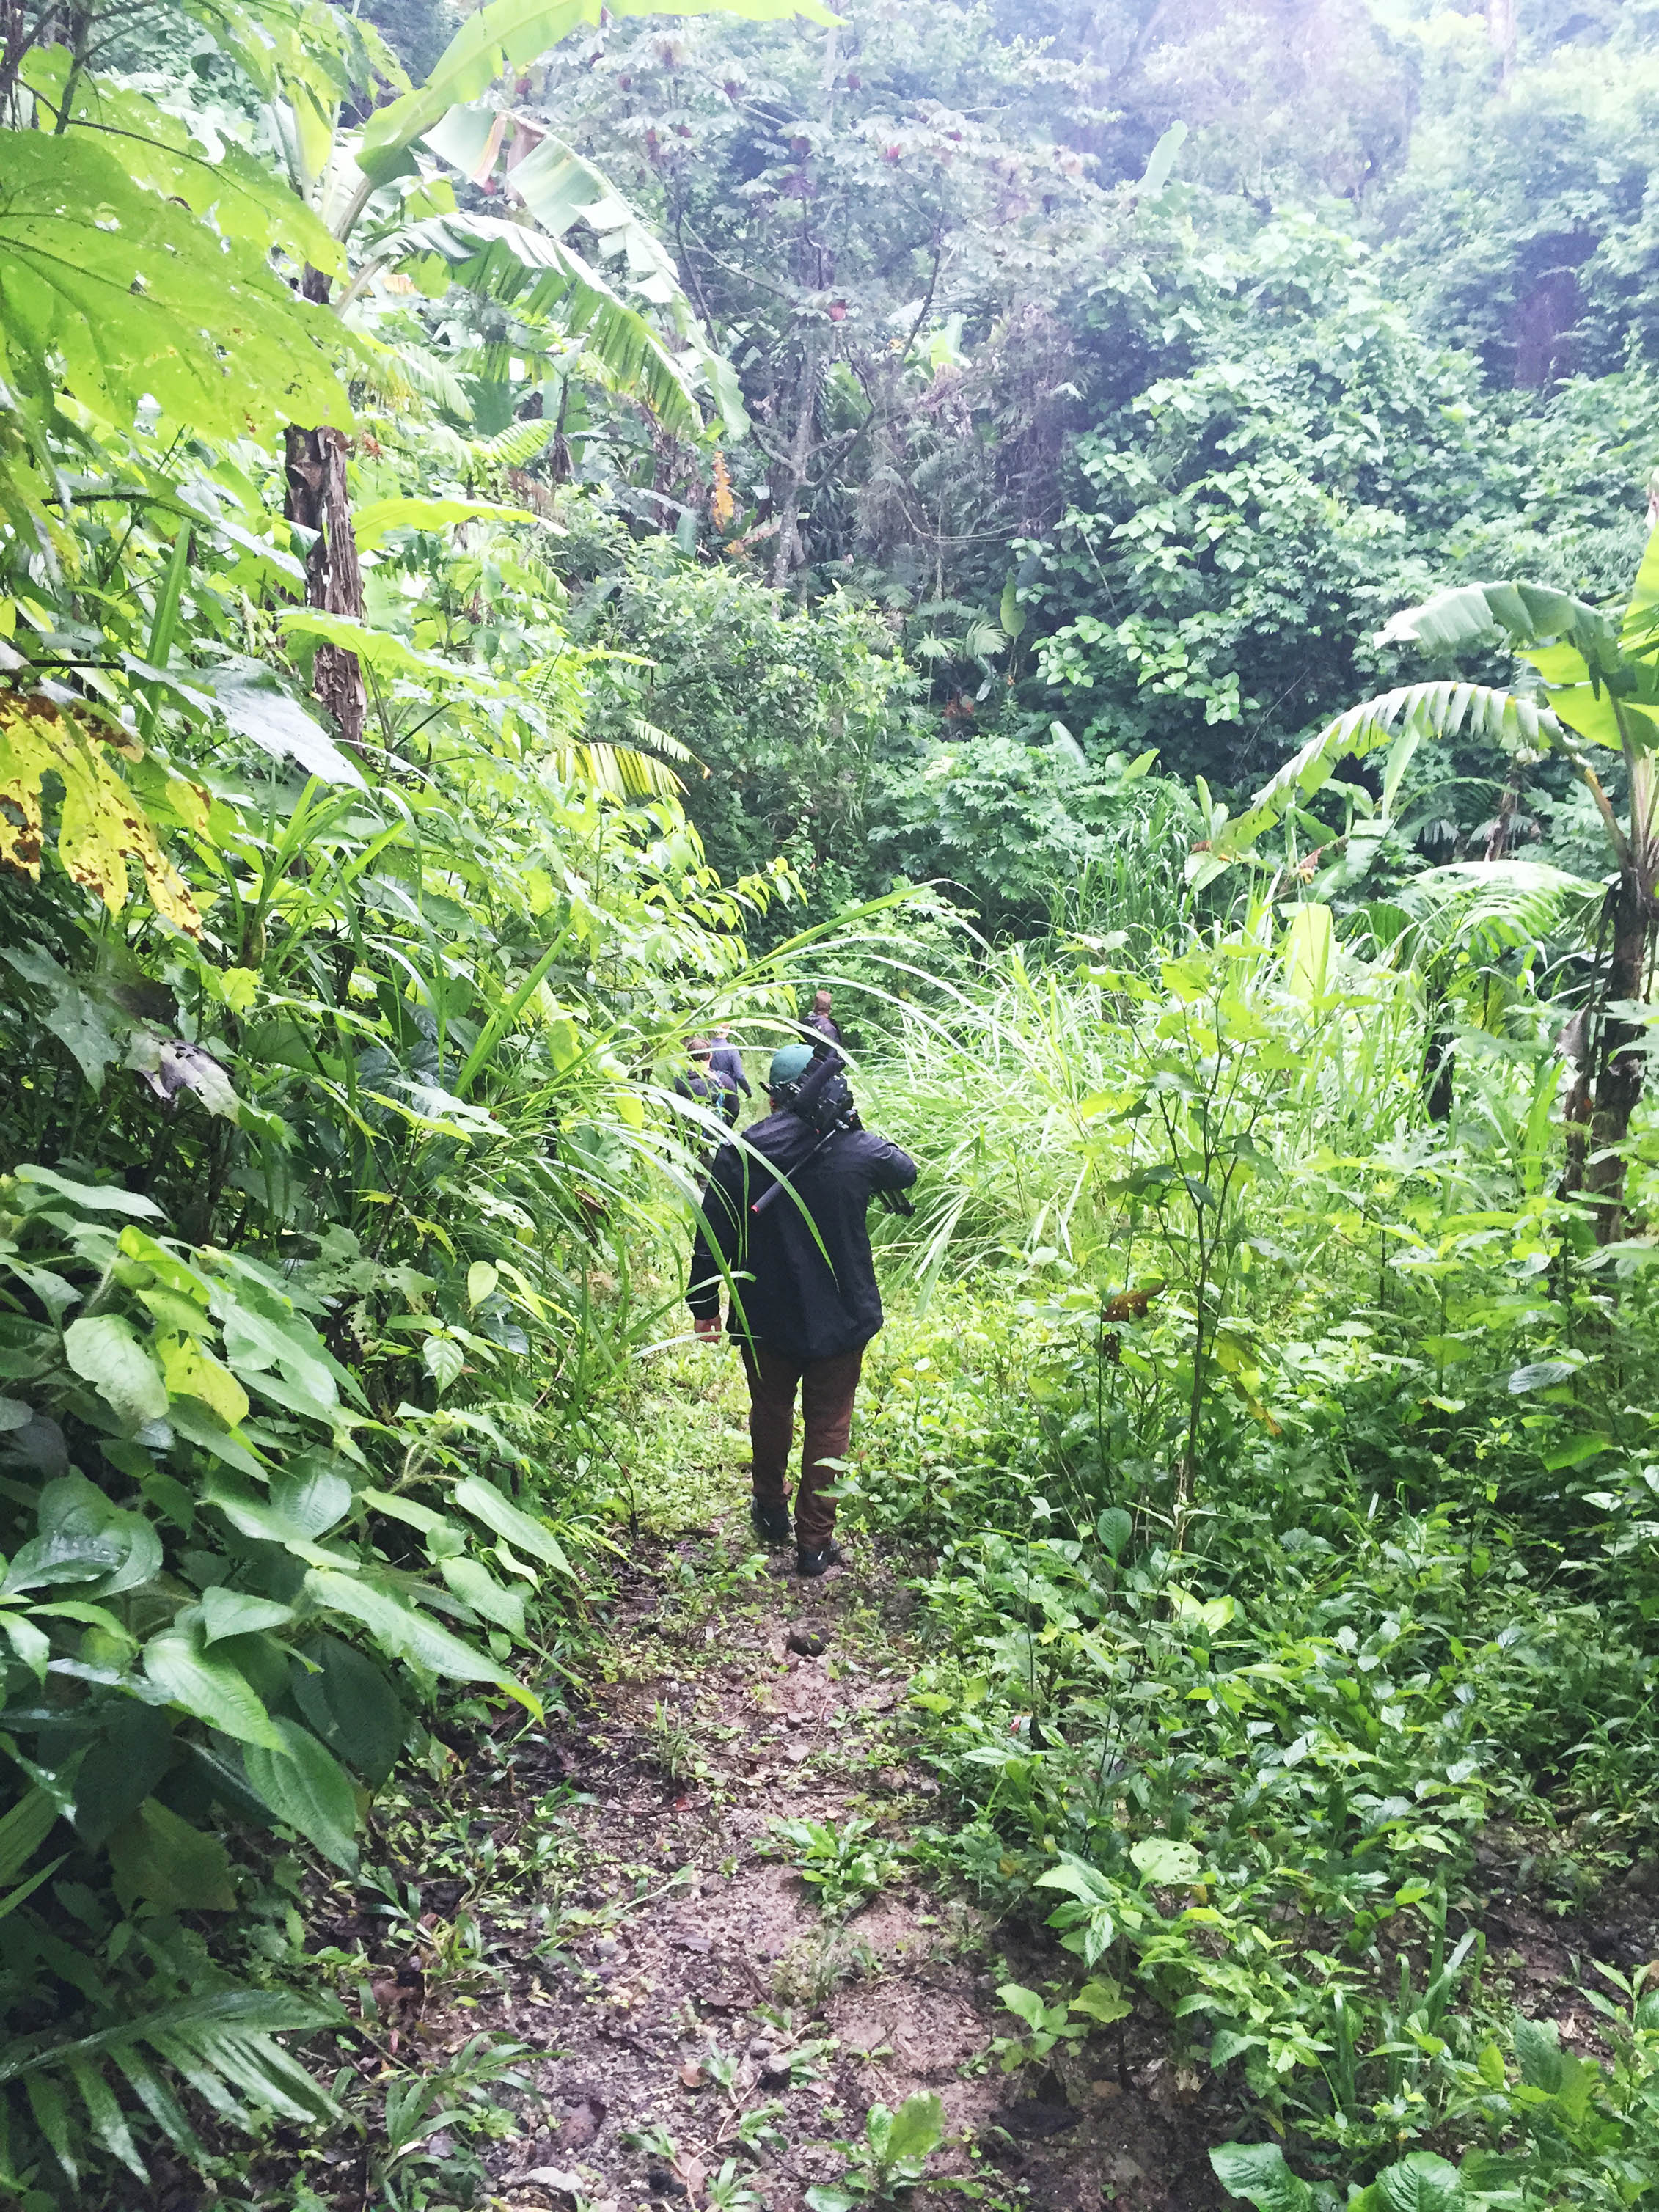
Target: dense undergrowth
(1267,1430)
(1266,1687)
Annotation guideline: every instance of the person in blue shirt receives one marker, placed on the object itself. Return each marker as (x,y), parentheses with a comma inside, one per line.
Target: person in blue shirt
(725,1065)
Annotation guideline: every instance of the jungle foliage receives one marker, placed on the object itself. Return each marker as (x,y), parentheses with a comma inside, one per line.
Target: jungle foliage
(511,528)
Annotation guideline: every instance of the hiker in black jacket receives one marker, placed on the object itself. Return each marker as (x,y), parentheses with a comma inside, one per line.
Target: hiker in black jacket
(806,1301)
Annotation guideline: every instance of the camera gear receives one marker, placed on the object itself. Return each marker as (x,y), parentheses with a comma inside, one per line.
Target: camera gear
(814,1087)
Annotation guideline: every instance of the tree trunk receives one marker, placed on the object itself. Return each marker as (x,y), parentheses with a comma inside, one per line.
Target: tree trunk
(318,500)
(789,477)
(1619,1059)
(1501,30)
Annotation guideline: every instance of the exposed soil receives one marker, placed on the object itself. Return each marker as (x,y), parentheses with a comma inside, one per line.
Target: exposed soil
(699,1980)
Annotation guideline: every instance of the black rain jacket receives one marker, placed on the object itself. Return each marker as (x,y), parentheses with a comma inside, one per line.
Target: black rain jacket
(811,1295)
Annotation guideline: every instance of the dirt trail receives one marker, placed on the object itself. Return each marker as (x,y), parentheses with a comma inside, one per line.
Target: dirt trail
(695,1978)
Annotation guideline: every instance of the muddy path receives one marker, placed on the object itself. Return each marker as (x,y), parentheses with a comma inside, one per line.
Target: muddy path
(704,2033)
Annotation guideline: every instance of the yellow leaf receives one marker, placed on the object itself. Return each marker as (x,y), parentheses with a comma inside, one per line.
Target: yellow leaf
(190,1372)
(100,825)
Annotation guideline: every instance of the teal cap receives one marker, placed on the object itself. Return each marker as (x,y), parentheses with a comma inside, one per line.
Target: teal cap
(789,1063)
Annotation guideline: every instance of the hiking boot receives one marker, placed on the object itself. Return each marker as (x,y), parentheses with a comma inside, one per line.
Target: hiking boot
(812,1563)
(771,1522)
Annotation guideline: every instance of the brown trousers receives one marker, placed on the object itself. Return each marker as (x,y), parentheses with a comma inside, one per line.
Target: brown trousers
(827,1387)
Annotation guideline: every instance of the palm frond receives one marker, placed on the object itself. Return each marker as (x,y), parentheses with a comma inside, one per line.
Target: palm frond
(1484,908)
(617,771)
(1404,717)
(659,741)
(516,446)
(1526,614)
(429,378)
(533,274)
(221,2047)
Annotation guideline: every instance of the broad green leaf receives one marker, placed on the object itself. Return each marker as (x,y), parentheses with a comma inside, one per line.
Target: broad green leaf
(258,708)
(100,1197)
(1076,1877)
(191,1372)
(303,1785)
(1161,1861)
(1541,1375)
(351,1705)
(407,1634)
(1310,941)
(31,1647)
(1258,2173)
(158,1857)
(85,1538)
(1420,2182)
(1113,1528)
(917,2129)
(1025,2003)
(312,1496)
(1102,2000)
(253,1515)
(233,1613)
(1645,595)
(485,1503)
(1576,1452)
(210,174)
(121,1768)
(208,1686)
(443,1359)
(135,297)
(105,1352)
(1162,162)
(90,1029)
(1213,1614)
(1538,2049)
(481,1281)
(474,1584)
(192,1421)
(409,1511)
(372,523)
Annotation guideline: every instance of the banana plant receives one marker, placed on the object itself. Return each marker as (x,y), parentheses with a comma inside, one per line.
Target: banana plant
(524,263)
(1595,692)
(189,207)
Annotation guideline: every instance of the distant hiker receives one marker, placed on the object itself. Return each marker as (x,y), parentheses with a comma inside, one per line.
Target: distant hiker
(806,1301)
(726,1064)
(819,1019)
(700,1085)
(698,1082)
